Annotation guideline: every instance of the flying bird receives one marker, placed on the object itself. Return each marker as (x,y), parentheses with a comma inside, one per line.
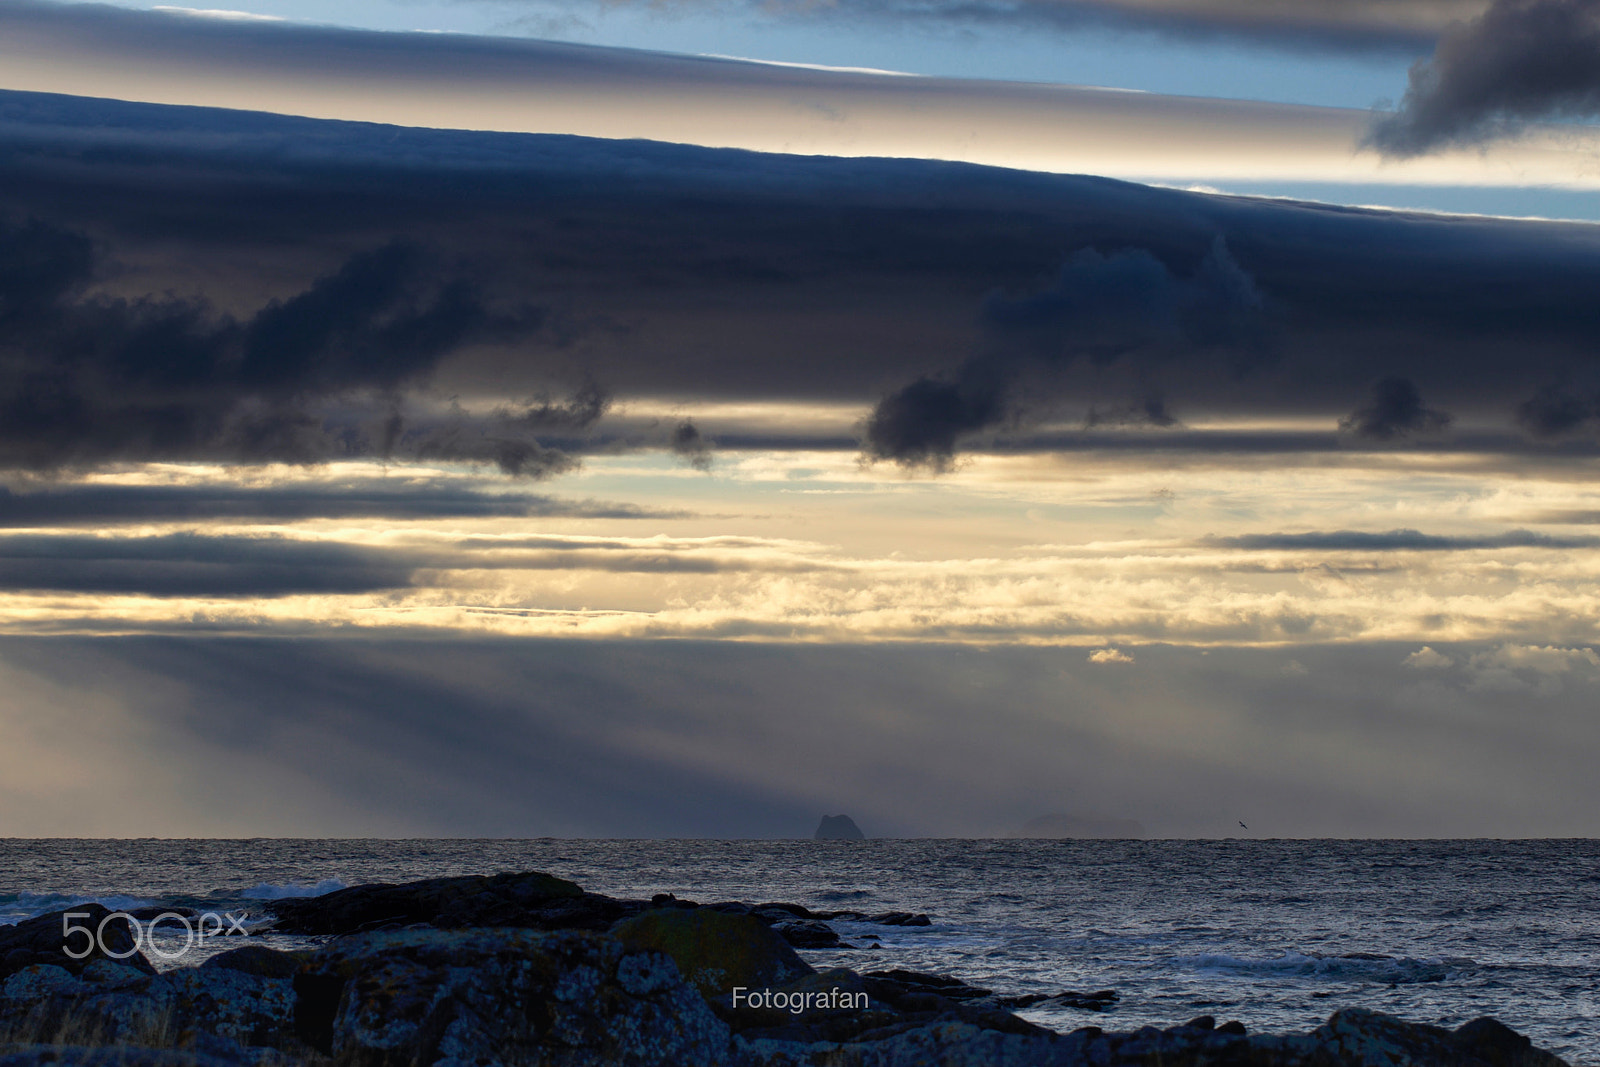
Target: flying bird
(1241,823)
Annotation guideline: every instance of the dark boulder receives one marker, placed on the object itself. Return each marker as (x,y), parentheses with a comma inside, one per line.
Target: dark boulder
(838,828)
(895,985)
(714,951)
(1359,1036)
(87,931)
(530,900)
(258,960)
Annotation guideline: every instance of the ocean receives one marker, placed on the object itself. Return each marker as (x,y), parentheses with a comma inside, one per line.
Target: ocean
(1276,934)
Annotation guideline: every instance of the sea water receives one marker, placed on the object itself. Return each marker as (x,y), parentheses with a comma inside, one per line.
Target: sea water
(1276,934)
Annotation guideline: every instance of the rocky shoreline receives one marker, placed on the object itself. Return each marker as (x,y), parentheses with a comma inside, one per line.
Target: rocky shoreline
(531,969)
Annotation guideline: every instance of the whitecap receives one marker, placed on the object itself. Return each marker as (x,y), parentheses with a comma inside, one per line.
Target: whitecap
(269,891)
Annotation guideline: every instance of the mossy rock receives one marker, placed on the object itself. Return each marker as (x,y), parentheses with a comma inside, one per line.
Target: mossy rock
(715,952)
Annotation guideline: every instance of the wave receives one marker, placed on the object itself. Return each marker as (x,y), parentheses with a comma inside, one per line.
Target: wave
(1353,966)
(269,891)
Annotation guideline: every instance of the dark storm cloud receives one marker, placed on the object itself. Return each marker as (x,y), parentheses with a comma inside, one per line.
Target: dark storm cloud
(194,565)
(73,505)
(691,445)
(318,263)
(1098,308)
(1396,541)
(86,377)
(1554,412)
(1522,61)
(1395,410)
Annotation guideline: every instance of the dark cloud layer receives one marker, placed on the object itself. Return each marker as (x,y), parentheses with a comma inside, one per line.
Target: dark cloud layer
(1097,309)
(1554,412)
(304,285)
(195,565)
(88,377)
(1396,541)
(70,505)
(1523,61)
(1396,410)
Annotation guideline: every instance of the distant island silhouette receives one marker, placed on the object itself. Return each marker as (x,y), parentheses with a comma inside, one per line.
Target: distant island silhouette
(838,828)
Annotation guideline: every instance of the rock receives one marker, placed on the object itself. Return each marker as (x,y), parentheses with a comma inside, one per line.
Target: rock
(657,989)
(513,997)
(893,986)
(258,960)
(807,933)
(1363,1038)
(838,828)
(714,951)
(85,929)
(139,1010)
(1103,1000)
(39,980)
(886,918)
(80,1056)
(531,900)
(524,998)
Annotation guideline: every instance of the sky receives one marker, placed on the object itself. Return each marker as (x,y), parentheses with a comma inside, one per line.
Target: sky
(624,419)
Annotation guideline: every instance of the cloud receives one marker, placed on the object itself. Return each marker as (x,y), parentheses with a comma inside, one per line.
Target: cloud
(100,505)
(1396,541)
(1150,412)
(188,565)
(1097,309)
(1109,655)
(1546,659)
(362,255)
(1426,659)
(1362,27)
(691,445)
(199,565)
(920,424)
(1528,669)
(466,82)
(91,378)
(1396,410)
(1522,61)
(1553,412)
